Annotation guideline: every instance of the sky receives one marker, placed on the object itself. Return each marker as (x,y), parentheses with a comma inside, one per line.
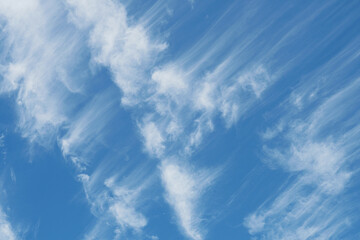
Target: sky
(176,119)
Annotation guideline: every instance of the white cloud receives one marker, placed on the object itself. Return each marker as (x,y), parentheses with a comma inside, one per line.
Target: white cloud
(182,107)
(39,59)
(299,212)
(317,150)
(154,237)
(126,49)
(237,98)
(170,81)
(308,206)
(87,127)
(154,140)
(43,48)
(12,175)
(6,230)
(191,109)
(256,81)
(202,126)
(323,162)
(116,196)
(123,206)
(83,177)
(2,141)
(127,216)
(184,189)
(271,133)
(182,97)
(205,97)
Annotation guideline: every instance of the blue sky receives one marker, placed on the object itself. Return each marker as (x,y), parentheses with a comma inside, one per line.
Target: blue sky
(178,119)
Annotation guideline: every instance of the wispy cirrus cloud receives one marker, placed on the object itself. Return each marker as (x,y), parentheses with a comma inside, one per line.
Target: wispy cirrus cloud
(126,49)
(43,49)
(175,116)
(117,195)
(87,127)
(6,230)
(317,150)
(38,65)
(175,101)
(184,188)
